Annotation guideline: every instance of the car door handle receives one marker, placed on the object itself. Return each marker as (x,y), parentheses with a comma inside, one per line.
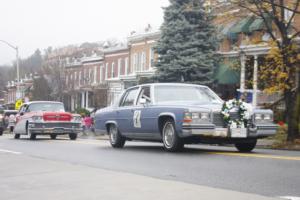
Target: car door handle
(132,110)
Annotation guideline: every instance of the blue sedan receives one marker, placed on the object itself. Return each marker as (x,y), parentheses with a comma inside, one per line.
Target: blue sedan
(177,114)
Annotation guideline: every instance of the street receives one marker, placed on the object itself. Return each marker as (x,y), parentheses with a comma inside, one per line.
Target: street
(91,169)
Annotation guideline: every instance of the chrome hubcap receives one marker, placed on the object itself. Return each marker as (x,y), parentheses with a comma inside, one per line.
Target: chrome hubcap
(113,134)
(169,135)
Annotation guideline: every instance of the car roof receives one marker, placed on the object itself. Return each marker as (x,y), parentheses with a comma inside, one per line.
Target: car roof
(169,84)
(10,111)
(32,102)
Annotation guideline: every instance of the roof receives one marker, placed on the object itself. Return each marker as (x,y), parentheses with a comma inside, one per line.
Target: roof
(242,26)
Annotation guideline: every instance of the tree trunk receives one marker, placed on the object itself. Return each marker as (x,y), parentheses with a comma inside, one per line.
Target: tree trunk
(298,106)
(290,102)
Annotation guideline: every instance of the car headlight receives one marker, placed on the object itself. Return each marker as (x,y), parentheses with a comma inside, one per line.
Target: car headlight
(204,116)
(258,117)
(76,118)
(263,117)
(195,117)
(37,118)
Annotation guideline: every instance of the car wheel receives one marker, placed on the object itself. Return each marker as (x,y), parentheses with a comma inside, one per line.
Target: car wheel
(17,136)
(170,138)
(246,147)
(73,136)
(1,133)
(32,136)
(53,136)
(115,138)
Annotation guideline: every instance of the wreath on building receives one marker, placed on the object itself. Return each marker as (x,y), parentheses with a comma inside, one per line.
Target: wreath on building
(243,111)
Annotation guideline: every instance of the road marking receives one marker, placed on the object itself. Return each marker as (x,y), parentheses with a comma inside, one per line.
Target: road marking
(256,155)
(290,198)
(8,151)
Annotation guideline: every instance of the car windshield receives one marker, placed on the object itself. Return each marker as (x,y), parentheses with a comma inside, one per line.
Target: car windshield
(53,107)
(191,94)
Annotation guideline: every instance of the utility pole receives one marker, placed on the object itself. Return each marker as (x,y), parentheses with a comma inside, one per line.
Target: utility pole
(18,95)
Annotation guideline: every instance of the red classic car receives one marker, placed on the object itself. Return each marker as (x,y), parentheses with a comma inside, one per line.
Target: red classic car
(46,118)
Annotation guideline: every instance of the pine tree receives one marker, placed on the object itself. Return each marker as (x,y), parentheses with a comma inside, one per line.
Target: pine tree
(187,47)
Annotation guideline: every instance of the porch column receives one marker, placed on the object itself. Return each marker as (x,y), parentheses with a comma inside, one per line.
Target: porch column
(82,99)
(254,97)
(87,99)
(242,80)
(72,103)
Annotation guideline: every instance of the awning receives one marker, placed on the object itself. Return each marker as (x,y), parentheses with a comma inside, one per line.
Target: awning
(226,75)
(242,26)
(257,24)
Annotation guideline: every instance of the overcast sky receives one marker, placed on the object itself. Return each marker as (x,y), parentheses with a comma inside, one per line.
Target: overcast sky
(32,24)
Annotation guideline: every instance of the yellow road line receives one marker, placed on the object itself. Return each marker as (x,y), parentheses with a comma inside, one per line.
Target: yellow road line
(253,155)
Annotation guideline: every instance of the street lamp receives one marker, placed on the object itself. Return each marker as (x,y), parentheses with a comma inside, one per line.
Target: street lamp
(17,63)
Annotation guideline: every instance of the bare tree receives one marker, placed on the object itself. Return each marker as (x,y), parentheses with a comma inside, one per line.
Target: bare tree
(278,17)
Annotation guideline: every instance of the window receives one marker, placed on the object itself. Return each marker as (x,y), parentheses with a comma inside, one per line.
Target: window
(139,62)
(101,73)
(151,57)
(126,66)
(143,61)
(113,70)
(79,79)
(129,97)
(172,93)
(145,94)
(119,67)
(106,70)
(134,62)
(95,74)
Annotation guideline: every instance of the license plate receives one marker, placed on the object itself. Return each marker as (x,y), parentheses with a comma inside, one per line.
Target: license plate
(238,132)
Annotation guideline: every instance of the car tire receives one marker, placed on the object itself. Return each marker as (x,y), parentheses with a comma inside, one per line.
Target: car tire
(73,136)
(32,136)
(115,137)
(53,136)
(170,138)
(1,133)
(17,136)
(246,147)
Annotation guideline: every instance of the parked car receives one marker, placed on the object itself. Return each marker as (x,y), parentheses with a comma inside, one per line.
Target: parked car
(9,119)
(178,114)
(46,118)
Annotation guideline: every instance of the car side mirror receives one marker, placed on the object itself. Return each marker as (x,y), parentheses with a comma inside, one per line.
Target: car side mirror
(21,113)
(142,101)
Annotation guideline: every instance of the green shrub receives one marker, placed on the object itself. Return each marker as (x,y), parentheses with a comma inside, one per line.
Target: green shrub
(280,137)
(82,111)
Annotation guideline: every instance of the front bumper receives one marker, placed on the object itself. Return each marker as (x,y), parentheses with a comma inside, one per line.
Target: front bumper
(210,130)
(54,128)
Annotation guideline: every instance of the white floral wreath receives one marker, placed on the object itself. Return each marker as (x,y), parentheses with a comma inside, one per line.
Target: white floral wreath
(244,113)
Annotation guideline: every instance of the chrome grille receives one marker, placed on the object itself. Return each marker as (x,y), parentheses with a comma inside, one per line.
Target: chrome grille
(218,118)
(56,125)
